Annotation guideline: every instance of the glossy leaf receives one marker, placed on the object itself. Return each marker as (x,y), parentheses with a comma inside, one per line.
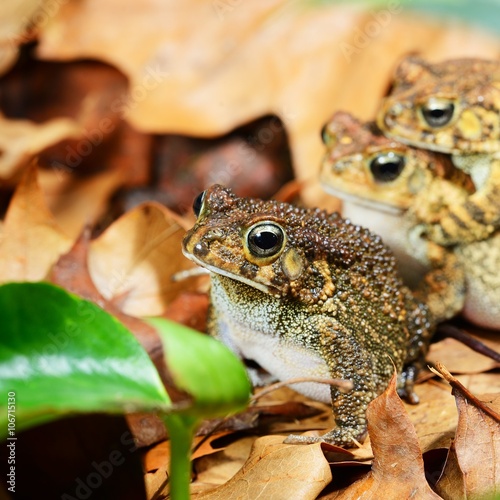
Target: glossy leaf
(61,354)
(205,368)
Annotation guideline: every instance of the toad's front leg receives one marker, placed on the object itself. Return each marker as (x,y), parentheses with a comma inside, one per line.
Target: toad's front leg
(349,359)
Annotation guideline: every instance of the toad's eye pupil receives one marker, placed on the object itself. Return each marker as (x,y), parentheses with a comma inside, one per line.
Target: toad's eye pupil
(198,203)
(437,113)
(387,167)
(266,239)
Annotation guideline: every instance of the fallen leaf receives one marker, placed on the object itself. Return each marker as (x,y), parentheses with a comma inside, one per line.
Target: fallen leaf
(435,417)
(451,484)
(278,471)
(398,467)
(252,160)
(480,383)
(133,261)
(190,309)
(147,428)
(207,445)
(211,80)
(459,358)
(20,140)
(156,465)
(83,201)
(31,241)
(477,442)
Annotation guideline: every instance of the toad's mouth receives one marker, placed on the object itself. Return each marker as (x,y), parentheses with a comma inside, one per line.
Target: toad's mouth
(365,202)
(268,289)
(420,143)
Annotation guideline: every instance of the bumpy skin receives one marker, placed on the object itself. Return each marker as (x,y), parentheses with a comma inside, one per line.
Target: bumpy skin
(453,107)
(421,189)
(327,302)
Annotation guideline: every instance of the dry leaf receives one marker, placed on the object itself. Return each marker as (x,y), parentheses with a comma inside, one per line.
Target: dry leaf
(81,202)
(459,358)
(156,465)
(133,261)
(211,80)
(481,383)
(478,447)
(207,445)
(398,467)
(147,428)
(451,484)
(477,442)
(31,241)
(190,309)
(20,140)
(435,417)
(278,471)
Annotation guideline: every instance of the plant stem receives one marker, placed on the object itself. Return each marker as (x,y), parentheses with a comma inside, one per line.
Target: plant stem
(181,429)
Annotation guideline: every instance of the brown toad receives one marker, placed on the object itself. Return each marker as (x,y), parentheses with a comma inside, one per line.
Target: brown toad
(452,107)
(305,293)
(404,186)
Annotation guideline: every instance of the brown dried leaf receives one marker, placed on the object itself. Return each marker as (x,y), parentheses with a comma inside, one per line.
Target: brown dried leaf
(83,201)
(31,241)
(481,383)
(133,261)
(276,470)
(398,467)
(156,464)
(20,140)
(207,445)
(147,428)
(451,484)
(459,358)
(190,309)
(477,441)
(435,417)
(210,78)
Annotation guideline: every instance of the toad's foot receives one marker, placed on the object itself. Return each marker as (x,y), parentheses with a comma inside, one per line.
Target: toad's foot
(338,437)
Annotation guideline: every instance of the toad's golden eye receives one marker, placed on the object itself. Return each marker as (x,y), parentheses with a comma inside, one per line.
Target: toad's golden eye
(198,203)
(265,239)
(387,167)
(437,112)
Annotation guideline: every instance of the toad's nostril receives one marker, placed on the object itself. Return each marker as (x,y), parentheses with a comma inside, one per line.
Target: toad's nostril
(200,249)
(394,111)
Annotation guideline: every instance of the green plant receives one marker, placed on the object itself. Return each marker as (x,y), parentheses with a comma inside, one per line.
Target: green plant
(60,355)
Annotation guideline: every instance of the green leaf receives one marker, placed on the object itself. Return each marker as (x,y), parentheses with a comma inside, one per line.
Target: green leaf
(61,354)
(205,368)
